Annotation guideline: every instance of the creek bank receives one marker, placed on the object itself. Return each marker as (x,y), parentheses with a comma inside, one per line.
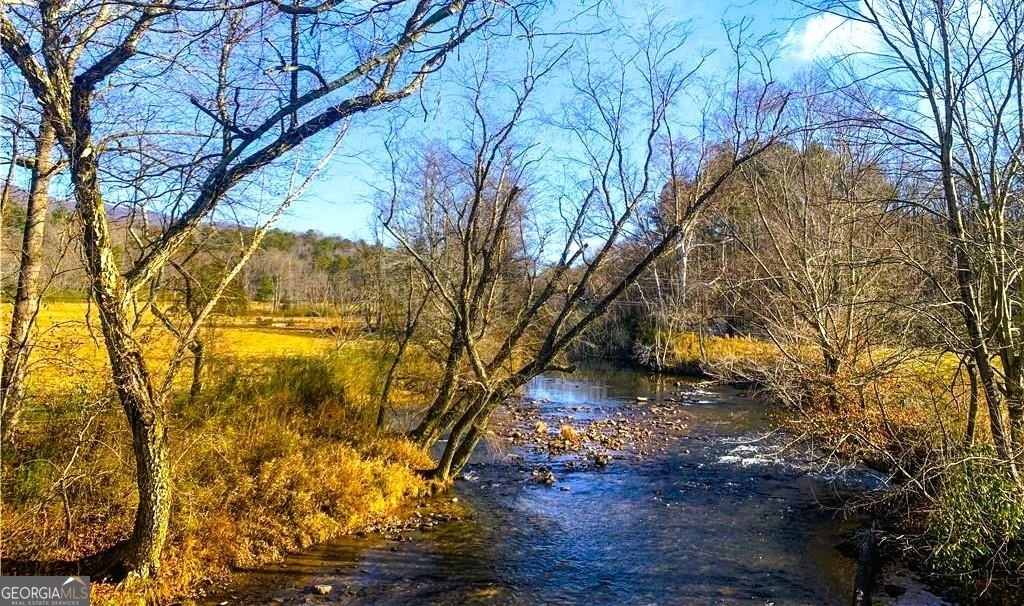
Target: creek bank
(286,582)
(583,494)
(889,518)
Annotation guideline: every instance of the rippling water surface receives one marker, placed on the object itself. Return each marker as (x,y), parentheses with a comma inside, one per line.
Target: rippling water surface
(712,517)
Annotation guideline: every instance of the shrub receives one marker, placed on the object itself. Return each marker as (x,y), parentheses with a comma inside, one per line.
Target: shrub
(977,519)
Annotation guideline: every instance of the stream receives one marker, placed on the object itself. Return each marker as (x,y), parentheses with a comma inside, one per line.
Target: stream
(664,493)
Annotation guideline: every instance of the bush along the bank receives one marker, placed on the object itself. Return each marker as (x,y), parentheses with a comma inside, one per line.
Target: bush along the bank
(276,455)
(976,521)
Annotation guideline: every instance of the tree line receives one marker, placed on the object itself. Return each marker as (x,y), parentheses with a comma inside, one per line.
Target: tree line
(306,272)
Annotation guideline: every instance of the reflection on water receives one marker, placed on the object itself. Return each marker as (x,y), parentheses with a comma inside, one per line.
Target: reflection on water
(712,520)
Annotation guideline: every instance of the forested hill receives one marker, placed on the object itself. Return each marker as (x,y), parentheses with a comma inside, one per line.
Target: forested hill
(291,270)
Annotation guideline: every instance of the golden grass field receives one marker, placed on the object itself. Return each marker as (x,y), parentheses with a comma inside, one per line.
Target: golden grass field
(278,453)
(910,396)
(70,342)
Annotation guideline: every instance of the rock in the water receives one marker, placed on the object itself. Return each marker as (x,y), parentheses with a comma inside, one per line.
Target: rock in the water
(322,589)
(544,476)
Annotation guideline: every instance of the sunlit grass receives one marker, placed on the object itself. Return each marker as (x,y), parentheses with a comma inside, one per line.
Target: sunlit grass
(903,410)
(891,397)
(69,350)
(690,347)
(279,452)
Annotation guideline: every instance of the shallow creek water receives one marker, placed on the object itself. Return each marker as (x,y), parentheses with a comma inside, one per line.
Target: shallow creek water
(695,507)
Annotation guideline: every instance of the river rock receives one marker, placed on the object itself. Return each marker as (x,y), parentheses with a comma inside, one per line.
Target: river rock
(322,589)
(543,476)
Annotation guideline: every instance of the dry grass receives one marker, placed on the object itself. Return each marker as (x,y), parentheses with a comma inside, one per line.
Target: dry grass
(723,356)
(279,453)
(904,411)
(897,408)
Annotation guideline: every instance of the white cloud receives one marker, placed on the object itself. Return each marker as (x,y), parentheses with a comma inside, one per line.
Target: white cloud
(826,35)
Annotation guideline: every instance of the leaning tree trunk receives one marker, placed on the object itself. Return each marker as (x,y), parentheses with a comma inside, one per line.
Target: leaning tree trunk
(1015,404)
(412,320)
(470,427)
(1000,437)
(140,556)
(462,439)
(26,301)
(465,449)
(429,429)
(198,362)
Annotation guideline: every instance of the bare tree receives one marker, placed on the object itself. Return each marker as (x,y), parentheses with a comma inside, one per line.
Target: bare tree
(403,329)
(28,294)
(95,69)
(521,277)
(826,273)
(954,69)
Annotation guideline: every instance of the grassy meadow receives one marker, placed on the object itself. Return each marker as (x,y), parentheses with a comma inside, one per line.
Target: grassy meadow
(277,453)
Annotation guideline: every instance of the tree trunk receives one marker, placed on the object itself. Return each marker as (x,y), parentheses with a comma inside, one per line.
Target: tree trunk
(461,440)
(429,429)
(1015,404)
(993,400)
(385,393)
(469,429)
(141,556)
(461,402)
(149,441)
(972,409)
(412,320)
(26,301)
(832,364)
(465,450)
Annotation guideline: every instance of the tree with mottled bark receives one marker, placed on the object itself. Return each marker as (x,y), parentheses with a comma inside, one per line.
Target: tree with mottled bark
(180,104)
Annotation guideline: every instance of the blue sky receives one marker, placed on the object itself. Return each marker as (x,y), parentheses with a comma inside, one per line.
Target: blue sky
(340,201)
